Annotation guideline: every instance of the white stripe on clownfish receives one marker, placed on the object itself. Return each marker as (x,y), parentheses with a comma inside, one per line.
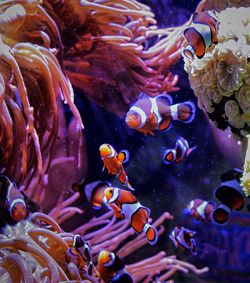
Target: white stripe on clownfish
(201,209)
(112,154)
(141,113)
(9,192)
(15,201)
(205,31)
(155,110)
(114,196)
(112,260)
(174,111)
(184,148)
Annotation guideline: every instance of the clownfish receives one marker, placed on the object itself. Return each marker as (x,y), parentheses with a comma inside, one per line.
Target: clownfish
(84,249)
(200,209)
(149,114)
(113,162)
(125,205)
(72,256)
(201,34)
(112,269)
(230,194)
(14,200)
(179,153)
(182,238)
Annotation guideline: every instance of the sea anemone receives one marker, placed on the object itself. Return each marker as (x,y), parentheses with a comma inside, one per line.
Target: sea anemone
(38,248)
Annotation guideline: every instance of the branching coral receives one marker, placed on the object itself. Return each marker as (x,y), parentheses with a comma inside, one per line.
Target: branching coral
(31,81)
(39,248)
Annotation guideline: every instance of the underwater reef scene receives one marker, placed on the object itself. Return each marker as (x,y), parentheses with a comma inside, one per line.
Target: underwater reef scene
(124,141)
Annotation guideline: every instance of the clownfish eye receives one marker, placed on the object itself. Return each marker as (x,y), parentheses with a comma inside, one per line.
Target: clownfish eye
(111,192)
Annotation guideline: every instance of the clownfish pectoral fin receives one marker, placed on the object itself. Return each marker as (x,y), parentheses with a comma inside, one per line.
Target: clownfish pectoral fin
(153,121)
(169,156)
(151,133)
(164,125)
(129,186)
(123,156)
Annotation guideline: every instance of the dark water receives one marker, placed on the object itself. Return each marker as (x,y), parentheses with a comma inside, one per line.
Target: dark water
(225,249)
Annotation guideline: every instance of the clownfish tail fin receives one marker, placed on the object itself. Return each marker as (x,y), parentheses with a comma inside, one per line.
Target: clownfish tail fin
(151,233)
(169,156)
(184,112)
(190,150)
(123,156)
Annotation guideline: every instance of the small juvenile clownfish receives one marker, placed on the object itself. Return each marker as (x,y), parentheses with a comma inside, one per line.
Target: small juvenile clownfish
(230,195)
(112,269)
(200,209)
(14,200)
(149,114)
(201,34)
(182,238)
(113,162)
(72,256)
(126,205)
(84,249)
(179,153)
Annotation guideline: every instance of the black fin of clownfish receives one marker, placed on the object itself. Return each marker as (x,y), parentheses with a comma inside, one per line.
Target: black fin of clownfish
(186,33)
(169,156)
(143,95)
(164,125)
(165,98)
(123,156)
(194,16)
(76,187)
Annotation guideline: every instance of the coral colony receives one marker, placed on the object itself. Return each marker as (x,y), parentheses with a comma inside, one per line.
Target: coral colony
(107,50)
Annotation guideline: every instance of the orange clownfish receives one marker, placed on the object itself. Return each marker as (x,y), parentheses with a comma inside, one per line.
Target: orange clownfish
(126,205)
(149,114)
(179,153)
(200,209)
(201,34)
(84,250)
(112,269)
(14,200)
(113,162)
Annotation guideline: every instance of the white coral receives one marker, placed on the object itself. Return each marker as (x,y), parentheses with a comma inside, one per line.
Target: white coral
(223,74)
